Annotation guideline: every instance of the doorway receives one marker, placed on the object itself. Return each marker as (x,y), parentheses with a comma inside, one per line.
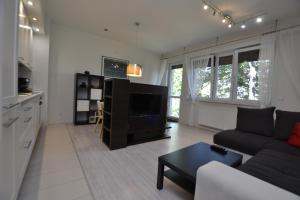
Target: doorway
(175,86)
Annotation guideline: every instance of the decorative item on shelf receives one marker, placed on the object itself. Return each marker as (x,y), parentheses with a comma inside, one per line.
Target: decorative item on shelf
(86,72)
(133,69)
(83,85)
(227,19)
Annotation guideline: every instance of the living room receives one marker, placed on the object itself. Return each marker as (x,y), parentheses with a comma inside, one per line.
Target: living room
(170,99)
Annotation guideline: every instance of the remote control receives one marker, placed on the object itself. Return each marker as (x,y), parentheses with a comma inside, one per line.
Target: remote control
(218,149)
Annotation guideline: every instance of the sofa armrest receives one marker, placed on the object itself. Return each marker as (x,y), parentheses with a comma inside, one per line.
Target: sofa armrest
(218,181)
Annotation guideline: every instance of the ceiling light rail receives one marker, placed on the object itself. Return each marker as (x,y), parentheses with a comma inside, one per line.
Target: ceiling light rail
(228,20)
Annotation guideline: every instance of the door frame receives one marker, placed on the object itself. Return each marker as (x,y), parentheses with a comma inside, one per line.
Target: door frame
(170,65)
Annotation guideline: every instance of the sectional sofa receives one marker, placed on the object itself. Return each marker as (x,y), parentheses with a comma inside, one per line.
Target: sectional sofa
(273,170)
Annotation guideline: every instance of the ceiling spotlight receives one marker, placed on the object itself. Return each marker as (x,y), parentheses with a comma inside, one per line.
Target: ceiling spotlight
(34,19)
(224,21)
(37,29)
(30,3)
(205,7)
(106,29)
(243,26)
(229,25)
(258,20)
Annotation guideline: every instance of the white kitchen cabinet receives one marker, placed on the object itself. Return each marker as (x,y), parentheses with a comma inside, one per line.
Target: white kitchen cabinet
(8,47)
(25,36)
(20,127)
(7,156)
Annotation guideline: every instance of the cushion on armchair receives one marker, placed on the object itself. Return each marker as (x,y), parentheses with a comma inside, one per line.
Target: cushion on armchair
(258,121)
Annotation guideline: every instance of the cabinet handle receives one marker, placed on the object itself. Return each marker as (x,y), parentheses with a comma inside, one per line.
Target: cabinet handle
(28,108)
(10,122)
(41,103)
(11,105)
(27,120)
(27,144)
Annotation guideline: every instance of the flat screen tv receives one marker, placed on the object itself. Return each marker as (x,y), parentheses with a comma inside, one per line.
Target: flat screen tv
(145,104)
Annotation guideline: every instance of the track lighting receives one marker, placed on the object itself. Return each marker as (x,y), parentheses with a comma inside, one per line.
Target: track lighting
(258,20)
(227,19)
(30,3)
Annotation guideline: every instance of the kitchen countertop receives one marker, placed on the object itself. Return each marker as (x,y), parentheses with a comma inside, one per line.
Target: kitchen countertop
(11,102)
(22,98)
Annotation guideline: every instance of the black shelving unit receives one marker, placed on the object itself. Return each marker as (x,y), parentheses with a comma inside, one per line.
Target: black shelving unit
(84,105)
(116,101)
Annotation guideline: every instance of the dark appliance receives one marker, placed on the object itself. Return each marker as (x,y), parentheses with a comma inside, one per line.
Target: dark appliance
(23,85)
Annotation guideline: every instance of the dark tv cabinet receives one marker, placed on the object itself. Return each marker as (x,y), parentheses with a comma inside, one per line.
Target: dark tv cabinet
(85,105)
(124,127)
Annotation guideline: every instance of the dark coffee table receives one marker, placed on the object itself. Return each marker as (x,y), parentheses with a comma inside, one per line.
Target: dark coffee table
(185,162)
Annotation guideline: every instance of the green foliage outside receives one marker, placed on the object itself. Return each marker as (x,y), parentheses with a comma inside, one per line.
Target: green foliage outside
(175,90)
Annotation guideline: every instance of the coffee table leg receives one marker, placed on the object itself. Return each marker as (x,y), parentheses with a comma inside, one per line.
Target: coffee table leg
(160,176)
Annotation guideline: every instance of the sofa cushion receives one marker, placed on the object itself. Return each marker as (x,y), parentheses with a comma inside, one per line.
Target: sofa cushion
(285,121)
(258,121)
(275,167)
(294,139)
(282,146)
(240,141)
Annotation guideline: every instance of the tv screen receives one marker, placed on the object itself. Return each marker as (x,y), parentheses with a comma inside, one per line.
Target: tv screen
(145,104)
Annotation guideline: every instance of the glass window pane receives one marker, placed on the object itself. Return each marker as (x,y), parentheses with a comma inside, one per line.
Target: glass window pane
(224,74)
(174,107)
(176,82)
(247,83)
(202,78)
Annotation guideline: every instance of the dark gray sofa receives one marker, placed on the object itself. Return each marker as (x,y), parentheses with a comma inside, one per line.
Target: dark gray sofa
(274,160)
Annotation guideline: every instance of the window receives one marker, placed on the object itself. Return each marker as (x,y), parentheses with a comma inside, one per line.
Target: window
(175,85)
(233,78)
(203,74)
(247,77)
(224,77)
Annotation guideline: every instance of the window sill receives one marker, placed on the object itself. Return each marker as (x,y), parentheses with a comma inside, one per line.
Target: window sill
(252,104)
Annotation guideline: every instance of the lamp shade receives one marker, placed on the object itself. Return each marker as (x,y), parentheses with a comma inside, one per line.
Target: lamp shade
(134,70)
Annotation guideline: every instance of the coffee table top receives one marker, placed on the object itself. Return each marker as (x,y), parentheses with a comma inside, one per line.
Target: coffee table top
(186,161)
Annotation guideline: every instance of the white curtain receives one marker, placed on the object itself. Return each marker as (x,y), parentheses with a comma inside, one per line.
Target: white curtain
(266,69)
(162,78)
(288,45)
(192,66)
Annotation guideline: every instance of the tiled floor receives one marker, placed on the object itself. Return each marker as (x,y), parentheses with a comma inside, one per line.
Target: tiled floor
(54,171)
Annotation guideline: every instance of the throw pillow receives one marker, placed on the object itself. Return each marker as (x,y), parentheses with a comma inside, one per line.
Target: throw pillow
(295,137)
(258,121)
(284,124)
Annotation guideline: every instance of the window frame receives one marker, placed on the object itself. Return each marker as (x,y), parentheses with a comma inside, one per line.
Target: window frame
(241,101)
(216,77)
(212,57)
(171,65)
(233,92)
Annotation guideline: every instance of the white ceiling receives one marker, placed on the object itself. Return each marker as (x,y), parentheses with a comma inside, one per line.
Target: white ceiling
(166,25)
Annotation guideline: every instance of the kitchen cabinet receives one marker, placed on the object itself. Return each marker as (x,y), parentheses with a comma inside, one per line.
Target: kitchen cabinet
(25,36)
(7,158)
(20,128)
(8,47)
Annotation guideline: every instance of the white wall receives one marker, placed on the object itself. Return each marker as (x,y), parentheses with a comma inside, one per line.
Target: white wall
(223,116)
(74,51)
